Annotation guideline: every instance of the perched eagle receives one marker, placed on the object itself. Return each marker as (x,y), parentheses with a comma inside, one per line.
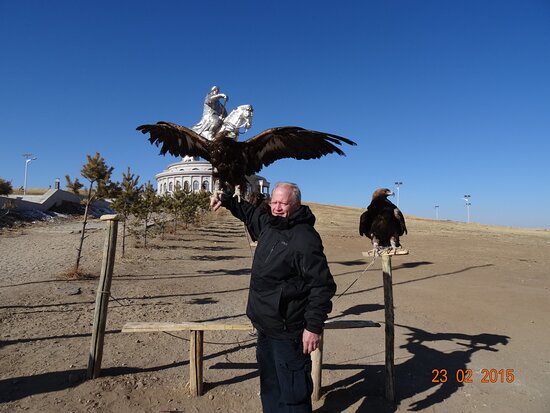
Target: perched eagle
(382,222)
(232,160)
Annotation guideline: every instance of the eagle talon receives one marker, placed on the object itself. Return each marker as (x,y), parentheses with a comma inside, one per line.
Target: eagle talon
(217,193)
(237,193)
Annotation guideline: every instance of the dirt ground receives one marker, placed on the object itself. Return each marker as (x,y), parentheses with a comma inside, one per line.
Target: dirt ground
(469,298)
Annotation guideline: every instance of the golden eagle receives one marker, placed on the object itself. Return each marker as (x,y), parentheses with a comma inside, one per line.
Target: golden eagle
(382,222)
(233,160)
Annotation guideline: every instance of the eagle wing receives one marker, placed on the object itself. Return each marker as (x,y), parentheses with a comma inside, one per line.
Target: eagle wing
(399,216)
(289,142)
(177,140)
(365,222)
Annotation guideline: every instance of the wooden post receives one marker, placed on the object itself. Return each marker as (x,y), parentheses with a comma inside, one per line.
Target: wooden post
(195,362)
(102,297)
(317,369)
(389,318)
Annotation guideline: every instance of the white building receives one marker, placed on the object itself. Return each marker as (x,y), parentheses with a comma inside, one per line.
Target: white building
(195,174)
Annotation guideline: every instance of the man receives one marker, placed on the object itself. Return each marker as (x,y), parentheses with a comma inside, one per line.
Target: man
(289,299)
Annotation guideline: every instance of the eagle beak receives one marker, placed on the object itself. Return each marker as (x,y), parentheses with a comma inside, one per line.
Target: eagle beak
(391,193)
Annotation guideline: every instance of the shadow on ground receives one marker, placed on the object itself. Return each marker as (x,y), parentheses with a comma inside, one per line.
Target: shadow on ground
(366,386)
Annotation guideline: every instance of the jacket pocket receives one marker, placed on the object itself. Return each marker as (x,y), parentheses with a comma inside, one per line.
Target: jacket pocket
(263,308)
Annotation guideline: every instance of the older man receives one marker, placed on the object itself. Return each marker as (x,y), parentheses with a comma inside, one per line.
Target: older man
(289,299)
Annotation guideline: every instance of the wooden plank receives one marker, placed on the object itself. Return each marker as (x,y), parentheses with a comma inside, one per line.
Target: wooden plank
(344,324)
(196,346)
(143,327)
(389,318)
(155,326)
(388,251)
(108,217)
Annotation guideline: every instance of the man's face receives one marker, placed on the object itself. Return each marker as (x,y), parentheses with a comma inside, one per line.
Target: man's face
(281,202)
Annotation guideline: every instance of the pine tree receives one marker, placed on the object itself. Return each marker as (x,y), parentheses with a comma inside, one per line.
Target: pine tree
(5,187)
(98,174)
(125,198)
(147,205)
(73,186)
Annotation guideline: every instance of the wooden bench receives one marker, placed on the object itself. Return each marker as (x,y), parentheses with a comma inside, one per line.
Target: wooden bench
(196,345)
(196,342)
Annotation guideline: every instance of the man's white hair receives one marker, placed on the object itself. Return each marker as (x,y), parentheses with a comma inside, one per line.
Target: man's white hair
(295,191)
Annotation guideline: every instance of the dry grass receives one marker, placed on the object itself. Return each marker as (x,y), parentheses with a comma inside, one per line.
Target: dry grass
(77,274)
(30,191)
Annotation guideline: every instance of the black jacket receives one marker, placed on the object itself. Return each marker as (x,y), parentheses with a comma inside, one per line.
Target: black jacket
(291,285)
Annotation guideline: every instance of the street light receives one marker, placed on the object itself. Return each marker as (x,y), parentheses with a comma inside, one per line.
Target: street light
(398,184)
(261,184)
(437,212)
(28,157)
(468,203)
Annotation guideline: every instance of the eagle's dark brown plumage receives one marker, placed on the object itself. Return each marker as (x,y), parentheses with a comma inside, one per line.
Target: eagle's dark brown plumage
(382,222)
(233,160)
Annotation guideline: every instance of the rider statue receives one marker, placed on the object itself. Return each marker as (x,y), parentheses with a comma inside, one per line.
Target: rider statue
(213,114)
(215,119)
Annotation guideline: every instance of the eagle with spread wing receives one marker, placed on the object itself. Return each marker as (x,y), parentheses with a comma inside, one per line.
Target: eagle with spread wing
(233,160)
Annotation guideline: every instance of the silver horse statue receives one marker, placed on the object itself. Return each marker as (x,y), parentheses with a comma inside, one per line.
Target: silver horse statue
(215,118)
(213,114)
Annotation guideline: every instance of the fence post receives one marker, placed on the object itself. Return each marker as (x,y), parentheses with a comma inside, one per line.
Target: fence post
(102,297)
(317,369)
(196,350)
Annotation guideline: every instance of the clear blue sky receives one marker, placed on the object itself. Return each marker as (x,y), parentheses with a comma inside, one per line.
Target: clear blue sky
(448,97)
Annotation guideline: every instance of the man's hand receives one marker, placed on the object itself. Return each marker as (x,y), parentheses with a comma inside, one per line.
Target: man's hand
(215,203)
(310,341)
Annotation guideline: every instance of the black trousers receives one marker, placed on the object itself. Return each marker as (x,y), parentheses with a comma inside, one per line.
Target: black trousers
(285,375)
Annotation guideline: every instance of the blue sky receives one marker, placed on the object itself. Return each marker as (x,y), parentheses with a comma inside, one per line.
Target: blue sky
(448,97)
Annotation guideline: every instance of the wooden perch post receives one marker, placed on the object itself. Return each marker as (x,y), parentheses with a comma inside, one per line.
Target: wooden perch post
(102,297)
(389,318)
(388,314)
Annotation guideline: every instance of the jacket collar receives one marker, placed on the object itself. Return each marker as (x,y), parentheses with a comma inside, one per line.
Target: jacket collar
(302,215)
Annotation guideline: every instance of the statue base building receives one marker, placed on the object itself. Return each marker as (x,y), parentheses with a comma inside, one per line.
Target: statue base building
(195,174)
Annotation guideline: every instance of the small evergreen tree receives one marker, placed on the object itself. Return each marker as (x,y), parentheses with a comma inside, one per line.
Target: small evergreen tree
(125,197)
(73,186)
(163,213)
(147,205)
(179,205)
(98,175)
(9,204)
(5,187)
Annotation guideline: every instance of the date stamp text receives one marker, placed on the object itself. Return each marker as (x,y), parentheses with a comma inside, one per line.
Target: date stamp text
(466,376)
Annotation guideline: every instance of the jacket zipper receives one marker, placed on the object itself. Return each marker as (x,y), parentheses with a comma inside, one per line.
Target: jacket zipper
(270,252)
(284,318)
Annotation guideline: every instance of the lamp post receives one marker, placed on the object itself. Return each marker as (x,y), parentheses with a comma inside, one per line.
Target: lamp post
(436,212)
(28,158)
(468,203)
(398,184)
